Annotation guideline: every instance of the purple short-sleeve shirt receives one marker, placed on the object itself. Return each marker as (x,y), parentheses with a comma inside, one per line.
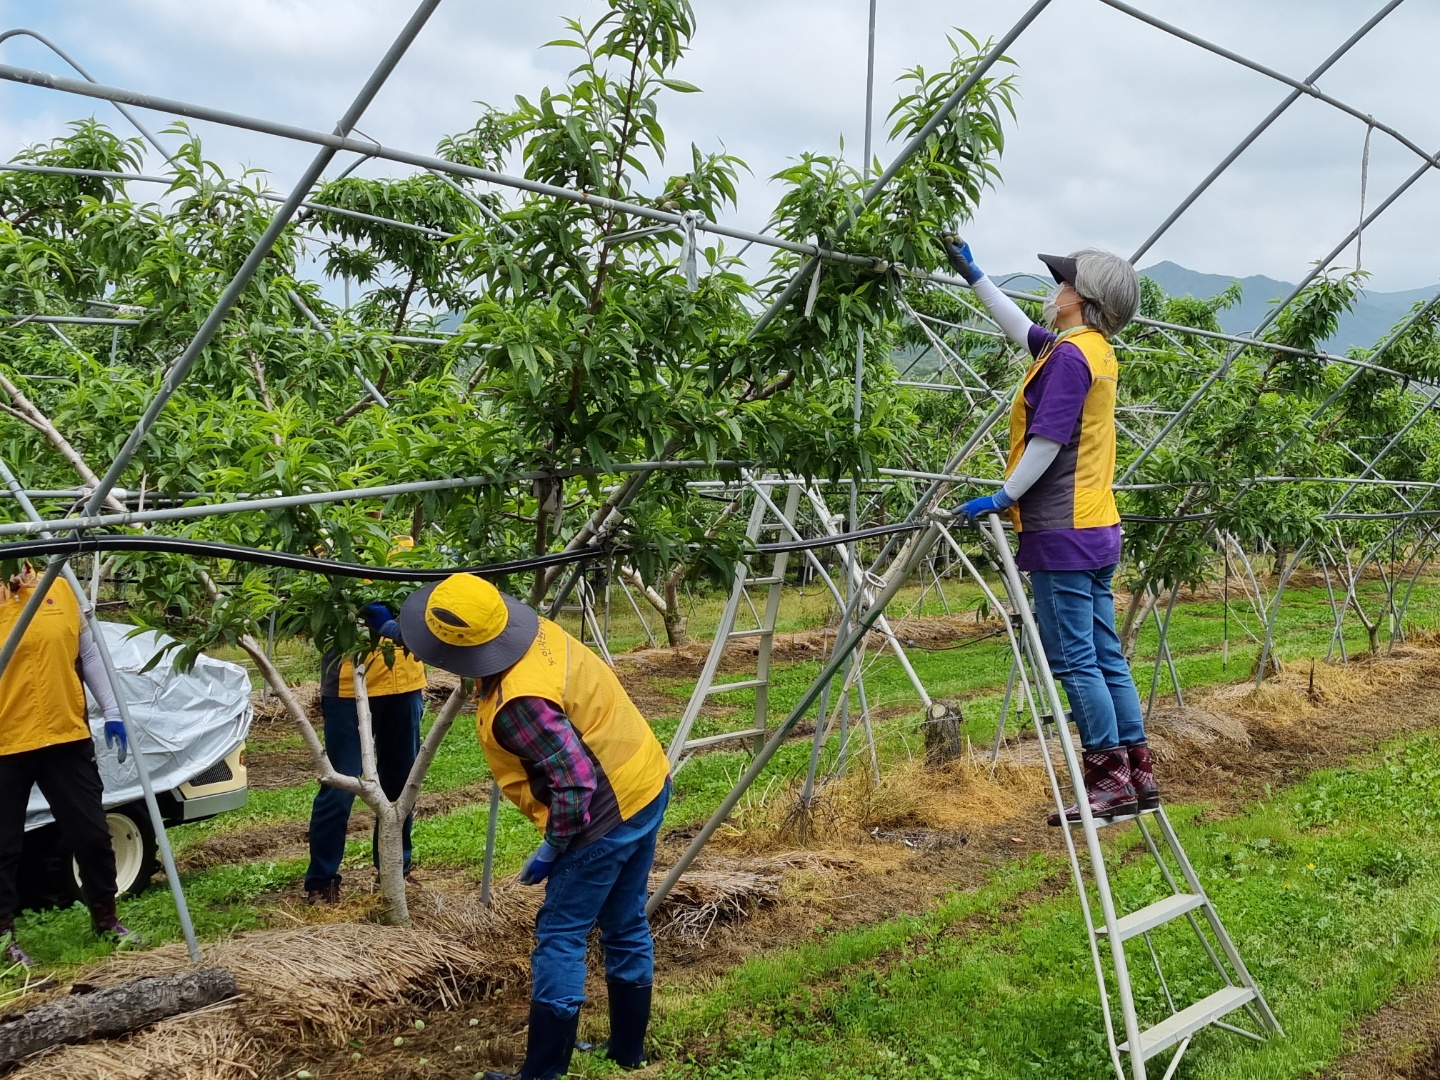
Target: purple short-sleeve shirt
(1057,395)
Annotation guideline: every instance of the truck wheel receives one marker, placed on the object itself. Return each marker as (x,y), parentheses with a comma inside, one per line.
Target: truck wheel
(134,842)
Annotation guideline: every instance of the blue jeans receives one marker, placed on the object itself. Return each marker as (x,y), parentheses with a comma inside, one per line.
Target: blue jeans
(1075,611)
(395,719)
(604,882)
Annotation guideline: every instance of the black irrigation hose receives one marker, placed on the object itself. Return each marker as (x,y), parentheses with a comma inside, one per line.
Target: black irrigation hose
(174,545)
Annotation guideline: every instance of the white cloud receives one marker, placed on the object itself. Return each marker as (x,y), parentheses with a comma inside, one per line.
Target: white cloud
(1118,121)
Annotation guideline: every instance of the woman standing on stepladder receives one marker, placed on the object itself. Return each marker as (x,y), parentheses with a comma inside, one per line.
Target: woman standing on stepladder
(1057,493)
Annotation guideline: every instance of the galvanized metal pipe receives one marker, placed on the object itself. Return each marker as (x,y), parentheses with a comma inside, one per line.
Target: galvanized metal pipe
(1260,129)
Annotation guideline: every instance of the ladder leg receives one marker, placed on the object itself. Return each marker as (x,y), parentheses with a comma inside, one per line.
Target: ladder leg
(1232,954)
(1087,822)
(1004,713)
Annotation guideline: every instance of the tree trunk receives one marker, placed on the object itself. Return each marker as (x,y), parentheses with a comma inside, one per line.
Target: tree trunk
(668,605)
(944,741)
(675,629)
(388,824)
(1282,555)
(391,827)
(90,1013)
(1141,604)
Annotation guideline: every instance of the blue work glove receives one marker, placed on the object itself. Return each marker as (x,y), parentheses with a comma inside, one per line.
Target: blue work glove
(961,261)
(381,620)
(975,509)
(538,866)
(115,734)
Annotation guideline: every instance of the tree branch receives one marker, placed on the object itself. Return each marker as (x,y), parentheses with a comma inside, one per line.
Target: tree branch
(41,423)
(443,720)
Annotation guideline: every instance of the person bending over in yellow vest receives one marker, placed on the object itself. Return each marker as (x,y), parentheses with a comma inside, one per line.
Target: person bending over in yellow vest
(570,749)
(45,740)
(1057,494)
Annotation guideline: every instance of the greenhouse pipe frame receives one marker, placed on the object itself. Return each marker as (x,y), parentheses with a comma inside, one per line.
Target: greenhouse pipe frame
(221,311)
(368,150)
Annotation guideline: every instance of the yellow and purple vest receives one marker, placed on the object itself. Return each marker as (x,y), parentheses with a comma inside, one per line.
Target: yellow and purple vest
(1075,491)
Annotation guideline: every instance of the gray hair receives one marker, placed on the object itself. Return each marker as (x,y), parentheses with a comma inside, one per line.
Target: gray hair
(1109,287)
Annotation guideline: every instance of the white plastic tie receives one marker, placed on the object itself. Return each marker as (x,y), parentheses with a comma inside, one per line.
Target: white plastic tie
(688,220)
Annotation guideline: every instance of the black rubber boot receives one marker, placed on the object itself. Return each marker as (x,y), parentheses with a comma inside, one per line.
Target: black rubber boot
(548,1048)
(629,1019)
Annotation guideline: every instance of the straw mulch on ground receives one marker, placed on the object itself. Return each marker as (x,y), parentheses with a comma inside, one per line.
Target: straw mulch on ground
(299,986)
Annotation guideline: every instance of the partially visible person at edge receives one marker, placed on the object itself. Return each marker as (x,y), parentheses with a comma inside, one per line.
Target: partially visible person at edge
(1057,493)
(45,740)
(570,749)
(395,689)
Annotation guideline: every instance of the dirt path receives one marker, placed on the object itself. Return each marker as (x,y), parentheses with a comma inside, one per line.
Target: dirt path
(1399,1042)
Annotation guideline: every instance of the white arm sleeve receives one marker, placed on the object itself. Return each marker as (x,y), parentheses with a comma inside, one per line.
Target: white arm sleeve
(92,670)
(1005,311)
(1039,453)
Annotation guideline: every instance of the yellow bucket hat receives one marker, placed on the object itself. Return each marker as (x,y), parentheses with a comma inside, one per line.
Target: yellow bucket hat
(465,625)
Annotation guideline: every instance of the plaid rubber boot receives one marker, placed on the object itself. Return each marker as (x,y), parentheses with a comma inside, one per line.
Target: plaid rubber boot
(1142,777)
(1107,781)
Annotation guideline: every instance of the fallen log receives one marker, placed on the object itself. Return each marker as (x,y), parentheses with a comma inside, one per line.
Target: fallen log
(102,1013)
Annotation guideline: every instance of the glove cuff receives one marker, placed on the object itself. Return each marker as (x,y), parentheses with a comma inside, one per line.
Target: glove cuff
(1003,499)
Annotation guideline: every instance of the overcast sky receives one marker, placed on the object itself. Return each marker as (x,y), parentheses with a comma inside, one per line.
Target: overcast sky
(1117,121)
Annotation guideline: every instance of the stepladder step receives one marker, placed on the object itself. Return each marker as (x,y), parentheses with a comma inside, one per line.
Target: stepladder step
(759,631)
(1153,915)
(745,684)
(713,740)
(1190,1020)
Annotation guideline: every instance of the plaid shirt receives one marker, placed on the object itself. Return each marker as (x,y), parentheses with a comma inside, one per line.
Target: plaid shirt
(539,734)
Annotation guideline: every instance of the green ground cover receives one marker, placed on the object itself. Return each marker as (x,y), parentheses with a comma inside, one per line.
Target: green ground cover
(1329,888)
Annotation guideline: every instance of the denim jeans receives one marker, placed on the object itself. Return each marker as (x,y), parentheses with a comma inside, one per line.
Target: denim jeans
(1075,611)
(604,882)
(395,719)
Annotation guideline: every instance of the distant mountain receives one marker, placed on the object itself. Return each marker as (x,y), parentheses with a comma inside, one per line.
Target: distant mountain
(1372,318)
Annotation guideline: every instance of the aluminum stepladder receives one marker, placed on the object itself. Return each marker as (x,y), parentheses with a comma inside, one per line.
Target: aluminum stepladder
(1191,902)
(762,521)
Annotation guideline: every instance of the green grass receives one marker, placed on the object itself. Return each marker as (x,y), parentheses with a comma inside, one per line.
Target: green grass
(1330,891)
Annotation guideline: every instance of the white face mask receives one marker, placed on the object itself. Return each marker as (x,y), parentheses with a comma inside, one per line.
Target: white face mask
(1051,314)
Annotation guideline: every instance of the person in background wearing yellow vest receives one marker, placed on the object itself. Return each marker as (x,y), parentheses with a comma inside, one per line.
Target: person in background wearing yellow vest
(570,749)
(45,740)
(397,703)
(1058,495)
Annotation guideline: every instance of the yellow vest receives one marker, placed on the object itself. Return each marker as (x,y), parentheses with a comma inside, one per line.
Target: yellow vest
(1075,492)
(562,670)
(42,702)
(407,674)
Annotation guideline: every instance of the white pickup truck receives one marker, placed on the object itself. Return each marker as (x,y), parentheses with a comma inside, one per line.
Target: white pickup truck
(193,727)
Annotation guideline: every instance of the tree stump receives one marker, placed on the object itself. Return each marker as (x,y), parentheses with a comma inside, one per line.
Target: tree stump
(95,1013)
(944,742)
